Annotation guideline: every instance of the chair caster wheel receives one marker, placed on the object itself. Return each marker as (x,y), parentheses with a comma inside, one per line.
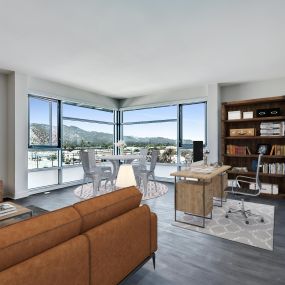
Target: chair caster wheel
(247,222)
(226,216)
(262,220)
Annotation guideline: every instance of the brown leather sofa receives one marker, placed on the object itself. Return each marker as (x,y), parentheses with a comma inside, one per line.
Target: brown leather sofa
(98,241)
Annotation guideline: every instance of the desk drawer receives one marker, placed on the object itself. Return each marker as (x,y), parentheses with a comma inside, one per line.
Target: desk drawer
(219,184)
(189,198)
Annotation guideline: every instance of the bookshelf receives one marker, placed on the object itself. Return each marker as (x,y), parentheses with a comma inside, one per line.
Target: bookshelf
(232,147)
(1,191)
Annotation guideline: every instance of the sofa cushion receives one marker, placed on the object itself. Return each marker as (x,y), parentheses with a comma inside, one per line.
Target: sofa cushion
(100,209)
(28,238)
(65,264)
(119,246)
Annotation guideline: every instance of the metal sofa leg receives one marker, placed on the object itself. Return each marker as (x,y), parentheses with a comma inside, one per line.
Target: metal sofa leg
(153,260)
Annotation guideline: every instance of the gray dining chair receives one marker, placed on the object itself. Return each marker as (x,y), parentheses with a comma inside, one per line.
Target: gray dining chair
(238,188)
(94,172)
(143,174)
(141,162)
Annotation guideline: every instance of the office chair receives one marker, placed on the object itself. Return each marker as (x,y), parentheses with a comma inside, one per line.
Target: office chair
(237,189)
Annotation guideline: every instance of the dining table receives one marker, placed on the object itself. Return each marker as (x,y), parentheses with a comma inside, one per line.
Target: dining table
(117,159)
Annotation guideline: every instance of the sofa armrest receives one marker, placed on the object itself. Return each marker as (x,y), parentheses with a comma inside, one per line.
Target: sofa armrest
(153,232)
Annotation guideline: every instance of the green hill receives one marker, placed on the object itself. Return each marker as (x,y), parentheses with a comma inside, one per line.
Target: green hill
(76,137)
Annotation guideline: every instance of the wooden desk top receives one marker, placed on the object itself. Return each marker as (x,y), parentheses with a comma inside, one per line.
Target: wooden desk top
(190,173)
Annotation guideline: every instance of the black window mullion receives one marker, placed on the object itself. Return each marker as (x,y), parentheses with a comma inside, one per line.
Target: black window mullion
(50,123)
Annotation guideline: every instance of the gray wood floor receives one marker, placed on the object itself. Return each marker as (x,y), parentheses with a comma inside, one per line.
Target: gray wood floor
(187,257)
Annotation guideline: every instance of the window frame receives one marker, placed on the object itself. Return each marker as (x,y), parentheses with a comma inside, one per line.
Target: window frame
(180,128)
(59,148)
(87,121)
(122,123)
(41,146)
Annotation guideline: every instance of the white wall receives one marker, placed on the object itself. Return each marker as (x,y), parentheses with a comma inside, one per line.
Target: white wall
(3,128)
(14,90)
(17,166)
(253,90)
(209,93)
(14,122)
(213,105)
(166,96)
(50,89)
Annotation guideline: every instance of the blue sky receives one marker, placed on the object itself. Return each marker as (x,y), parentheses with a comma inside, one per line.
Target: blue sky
(193,122)
(193,119)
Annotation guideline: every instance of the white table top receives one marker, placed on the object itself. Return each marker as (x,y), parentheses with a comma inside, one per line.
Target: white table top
(121,157)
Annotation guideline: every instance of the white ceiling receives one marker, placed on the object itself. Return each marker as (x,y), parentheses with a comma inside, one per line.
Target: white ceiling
(130,47)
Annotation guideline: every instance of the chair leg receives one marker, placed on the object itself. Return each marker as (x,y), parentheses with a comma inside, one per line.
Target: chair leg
(145,181)
(84,181)
(245,213)
(154,180)
(96,185)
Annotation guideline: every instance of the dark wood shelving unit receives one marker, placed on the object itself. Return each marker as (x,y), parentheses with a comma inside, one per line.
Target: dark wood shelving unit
(279,118)
(256,156)
(252,142)
(251,173)
(255,137)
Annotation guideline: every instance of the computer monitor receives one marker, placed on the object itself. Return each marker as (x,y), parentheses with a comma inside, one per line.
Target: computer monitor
(197,150)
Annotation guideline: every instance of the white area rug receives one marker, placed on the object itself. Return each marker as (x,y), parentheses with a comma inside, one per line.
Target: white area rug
(152,191)
(234,228)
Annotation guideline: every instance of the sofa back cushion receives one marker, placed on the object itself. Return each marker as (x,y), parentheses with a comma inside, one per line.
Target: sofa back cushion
(28,238)
(99,210)
(119,245)
(64,264)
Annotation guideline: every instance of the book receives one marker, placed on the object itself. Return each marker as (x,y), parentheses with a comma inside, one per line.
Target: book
(6,208)
(8,213)
(272,150)
(248,150)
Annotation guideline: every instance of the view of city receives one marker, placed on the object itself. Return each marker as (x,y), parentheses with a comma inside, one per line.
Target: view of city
(75,139)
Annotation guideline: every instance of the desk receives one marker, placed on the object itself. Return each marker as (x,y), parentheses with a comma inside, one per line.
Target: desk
(195,197)
(115,160)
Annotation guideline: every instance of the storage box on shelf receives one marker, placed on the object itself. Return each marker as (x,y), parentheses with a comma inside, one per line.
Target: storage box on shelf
(242,150)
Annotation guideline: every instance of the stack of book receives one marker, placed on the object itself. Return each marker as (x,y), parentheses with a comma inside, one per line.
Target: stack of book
(272,128)
(277,150)
(6,209)
(273,168)
(237,150)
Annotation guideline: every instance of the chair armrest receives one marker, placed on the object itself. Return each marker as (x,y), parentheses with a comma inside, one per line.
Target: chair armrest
(247,177)
(240,178)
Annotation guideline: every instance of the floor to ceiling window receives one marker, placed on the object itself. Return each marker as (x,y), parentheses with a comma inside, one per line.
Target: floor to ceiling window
(57,132)
(84,127)
(44,129)
(152,128)
(170,129)
(193,127)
